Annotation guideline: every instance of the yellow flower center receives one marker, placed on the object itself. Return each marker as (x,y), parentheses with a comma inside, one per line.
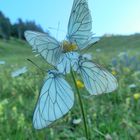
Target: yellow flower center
(79,84)
(68,47)
(114,72)
(136,96)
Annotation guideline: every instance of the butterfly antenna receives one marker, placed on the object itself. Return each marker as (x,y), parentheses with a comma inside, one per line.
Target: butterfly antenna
(58,28)
(35,64)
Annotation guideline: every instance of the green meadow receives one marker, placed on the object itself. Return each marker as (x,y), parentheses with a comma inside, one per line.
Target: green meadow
(113,116)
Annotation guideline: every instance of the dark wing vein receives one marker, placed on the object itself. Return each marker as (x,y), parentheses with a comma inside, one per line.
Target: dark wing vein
(96,79)
(80,23)
(55,100)
(45,45)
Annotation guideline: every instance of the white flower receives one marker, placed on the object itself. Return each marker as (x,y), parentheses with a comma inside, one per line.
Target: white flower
(132,86)
(19,71)
(2,62)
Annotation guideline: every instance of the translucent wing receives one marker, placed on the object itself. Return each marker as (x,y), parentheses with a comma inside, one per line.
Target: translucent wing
(90,42)
(47,46)
(93,40)
(67,61)
(55,100)
(96,79)
(80,23)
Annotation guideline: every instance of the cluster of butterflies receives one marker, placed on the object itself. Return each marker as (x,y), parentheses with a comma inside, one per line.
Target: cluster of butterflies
(56,97)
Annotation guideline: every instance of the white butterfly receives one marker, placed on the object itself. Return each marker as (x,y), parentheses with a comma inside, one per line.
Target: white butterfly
(56,96)
(97,80)
(79,35)
(55,100)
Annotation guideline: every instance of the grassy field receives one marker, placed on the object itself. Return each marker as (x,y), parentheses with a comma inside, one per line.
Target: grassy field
(114,116)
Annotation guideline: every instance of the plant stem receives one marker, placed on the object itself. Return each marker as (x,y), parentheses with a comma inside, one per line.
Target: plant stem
(81,106)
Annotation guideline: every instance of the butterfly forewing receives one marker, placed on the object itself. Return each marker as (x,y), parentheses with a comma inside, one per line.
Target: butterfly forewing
(55,100)
(96,79)
(47,46)
(80,23)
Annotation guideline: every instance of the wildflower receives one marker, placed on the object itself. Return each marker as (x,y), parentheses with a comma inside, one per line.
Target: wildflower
(76,121)
(121,54)
(98,50)
(79,84)
(18,72)
(108,137)
(14,109)
(136,96)
(132,86)
(2,62)
(126,63)
(114,72)
(127,70)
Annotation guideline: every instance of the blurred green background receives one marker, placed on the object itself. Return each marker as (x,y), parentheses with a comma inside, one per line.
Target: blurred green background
(114,116)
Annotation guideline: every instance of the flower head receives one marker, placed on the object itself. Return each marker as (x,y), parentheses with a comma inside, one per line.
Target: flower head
(79,84)
(114,72)
(136,96)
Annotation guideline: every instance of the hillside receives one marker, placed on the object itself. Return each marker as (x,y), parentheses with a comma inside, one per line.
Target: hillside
(15,50)
(113,116)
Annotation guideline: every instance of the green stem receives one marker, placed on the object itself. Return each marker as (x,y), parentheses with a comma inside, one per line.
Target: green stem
(81,106)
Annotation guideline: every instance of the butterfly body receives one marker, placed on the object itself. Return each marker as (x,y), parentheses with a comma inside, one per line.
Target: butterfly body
(68,47)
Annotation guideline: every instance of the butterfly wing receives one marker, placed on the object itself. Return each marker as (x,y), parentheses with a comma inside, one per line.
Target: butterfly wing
(96,79)
(90,42)
(67,61)
(80,23)
(47,46)
(55,100)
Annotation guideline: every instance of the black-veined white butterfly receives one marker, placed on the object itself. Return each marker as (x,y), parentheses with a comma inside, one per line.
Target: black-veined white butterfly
(79,36)
(97,80)
(55,100)
(56,96)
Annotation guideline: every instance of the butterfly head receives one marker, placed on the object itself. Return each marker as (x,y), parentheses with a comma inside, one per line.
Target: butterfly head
(54,73)
(81,59)
(68,47)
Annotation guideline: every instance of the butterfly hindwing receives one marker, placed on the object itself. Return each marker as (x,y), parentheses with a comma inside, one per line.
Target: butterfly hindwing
(55,100)
(45,45)
(67,61)
(80,23)
(96,79)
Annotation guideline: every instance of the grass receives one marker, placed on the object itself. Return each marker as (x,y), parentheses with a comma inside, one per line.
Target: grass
(114,115)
